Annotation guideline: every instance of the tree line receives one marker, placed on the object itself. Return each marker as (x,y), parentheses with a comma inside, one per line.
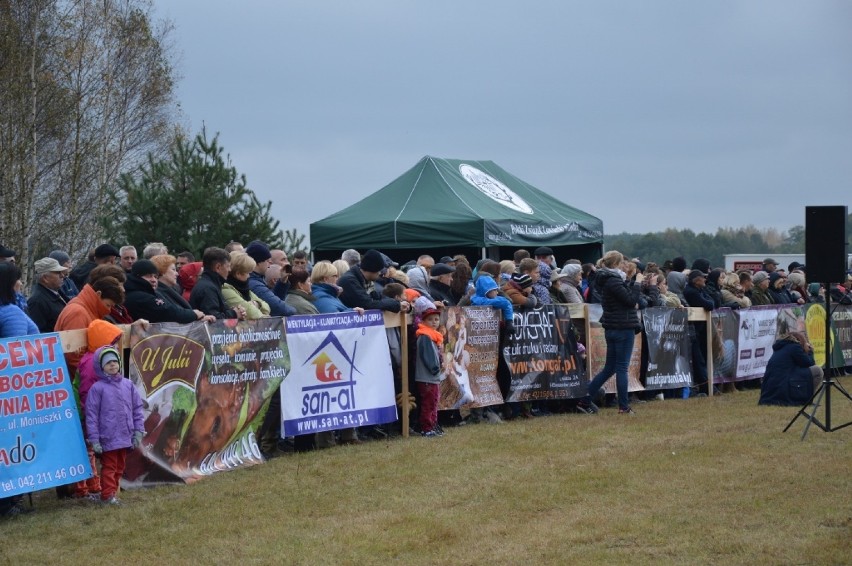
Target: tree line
(671,243)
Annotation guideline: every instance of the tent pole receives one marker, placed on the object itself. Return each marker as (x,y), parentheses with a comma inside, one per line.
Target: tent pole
(483,254)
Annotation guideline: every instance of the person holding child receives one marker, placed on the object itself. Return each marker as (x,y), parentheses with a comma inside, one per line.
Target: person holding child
(114,420)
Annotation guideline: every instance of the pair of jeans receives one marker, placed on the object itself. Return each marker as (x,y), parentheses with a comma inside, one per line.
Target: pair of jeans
(619,348)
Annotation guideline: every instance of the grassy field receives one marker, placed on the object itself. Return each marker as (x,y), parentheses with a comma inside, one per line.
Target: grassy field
(698,481)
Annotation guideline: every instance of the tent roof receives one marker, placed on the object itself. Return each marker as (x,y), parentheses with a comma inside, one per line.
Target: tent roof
(454,203)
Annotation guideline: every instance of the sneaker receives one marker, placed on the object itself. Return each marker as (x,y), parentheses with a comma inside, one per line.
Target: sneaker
(626,411)
(431,434)
(587,407)
(112,501)
(92,497)
(439,429)
(660,397)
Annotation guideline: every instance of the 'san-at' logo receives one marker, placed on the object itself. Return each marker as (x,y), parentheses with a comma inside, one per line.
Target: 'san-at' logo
(494,189)
(326,370)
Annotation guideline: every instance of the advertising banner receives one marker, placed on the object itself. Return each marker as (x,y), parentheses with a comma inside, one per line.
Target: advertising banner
(206,388)
(667,331)
(341,375)
(757,327)
(596,353)
(472,336)
(41,438)
(542,356)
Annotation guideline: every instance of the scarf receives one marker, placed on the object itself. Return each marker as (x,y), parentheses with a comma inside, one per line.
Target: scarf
(431,333)
(242,287)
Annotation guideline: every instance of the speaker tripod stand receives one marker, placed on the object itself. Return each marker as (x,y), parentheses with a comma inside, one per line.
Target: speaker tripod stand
(824,390)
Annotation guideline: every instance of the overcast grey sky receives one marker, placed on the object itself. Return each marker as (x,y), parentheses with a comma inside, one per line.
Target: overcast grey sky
(649,114)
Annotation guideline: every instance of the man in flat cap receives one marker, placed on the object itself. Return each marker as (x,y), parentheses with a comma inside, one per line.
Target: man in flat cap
(47,300)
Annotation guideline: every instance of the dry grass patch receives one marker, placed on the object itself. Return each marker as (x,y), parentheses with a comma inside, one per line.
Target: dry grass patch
(700,481)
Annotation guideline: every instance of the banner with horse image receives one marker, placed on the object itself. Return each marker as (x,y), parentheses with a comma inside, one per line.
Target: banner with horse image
(341,374)
(669,347)
(542,356)
(41,439)
(206,388)
(472,336)
(596,353)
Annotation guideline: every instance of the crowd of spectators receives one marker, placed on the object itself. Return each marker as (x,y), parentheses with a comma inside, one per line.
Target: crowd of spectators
(254,281)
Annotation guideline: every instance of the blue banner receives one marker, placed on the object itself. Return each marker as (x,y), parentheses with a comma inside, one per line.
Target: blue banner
(41,440)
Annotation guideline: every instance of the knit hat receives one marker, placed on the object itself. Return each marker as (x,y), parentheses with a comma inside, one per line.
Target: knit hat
(258,251)
(60,256)
(759,277)
(796,279)
(46,265)
(6,252)
(678,263)
(144,267)
(523,280)
(372,261)
(108,354)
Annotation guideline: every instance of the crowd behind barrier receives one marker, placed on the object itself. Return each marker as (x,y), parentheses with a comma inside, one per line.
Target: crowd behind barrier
(232,388)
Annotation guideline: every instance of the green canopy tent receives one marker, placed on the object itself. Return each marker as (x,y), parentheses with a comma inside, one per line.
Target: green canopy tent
(449,206)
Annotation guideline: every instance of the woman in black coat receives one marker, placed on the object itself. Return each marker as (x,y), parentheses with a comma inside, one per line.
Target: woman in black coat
(620,300)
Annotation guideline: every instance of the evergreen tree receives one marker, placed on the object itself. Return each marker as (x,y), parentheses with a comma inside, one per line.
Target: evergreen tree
(191,200)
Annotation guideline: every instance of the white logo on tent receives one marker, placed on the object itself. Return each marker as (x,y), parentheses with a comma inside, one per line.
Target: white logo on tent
(494,189)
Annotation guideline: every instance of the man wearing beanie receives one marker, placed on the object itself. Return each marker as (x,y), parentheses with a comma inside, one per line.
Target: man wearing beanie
(46,300)
(354,285)
(760,292)
(260,253)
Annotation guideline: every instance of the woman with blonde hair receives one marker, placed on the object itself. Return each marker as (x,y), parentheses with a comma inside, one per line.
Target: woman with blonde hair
(620,319)
(236,290)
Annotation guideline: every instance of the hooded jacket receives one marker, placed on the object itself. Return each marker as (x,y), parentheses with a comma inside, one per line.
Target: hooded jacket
(99,334)
(787,380)
(484,285)
(79,313)
(113,408)
(143,301)
(618,299)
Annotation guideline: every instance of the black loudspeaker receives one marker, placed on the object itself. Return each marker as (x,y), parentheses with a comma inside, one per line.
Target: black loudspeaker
(825,243)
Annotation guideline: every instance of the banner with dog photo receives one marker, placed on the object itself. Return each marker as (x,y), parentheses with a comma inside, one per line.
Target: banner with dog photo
(470,357)
(596,353)
(669,347)
(206,388)
(542,356)
(341,375)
